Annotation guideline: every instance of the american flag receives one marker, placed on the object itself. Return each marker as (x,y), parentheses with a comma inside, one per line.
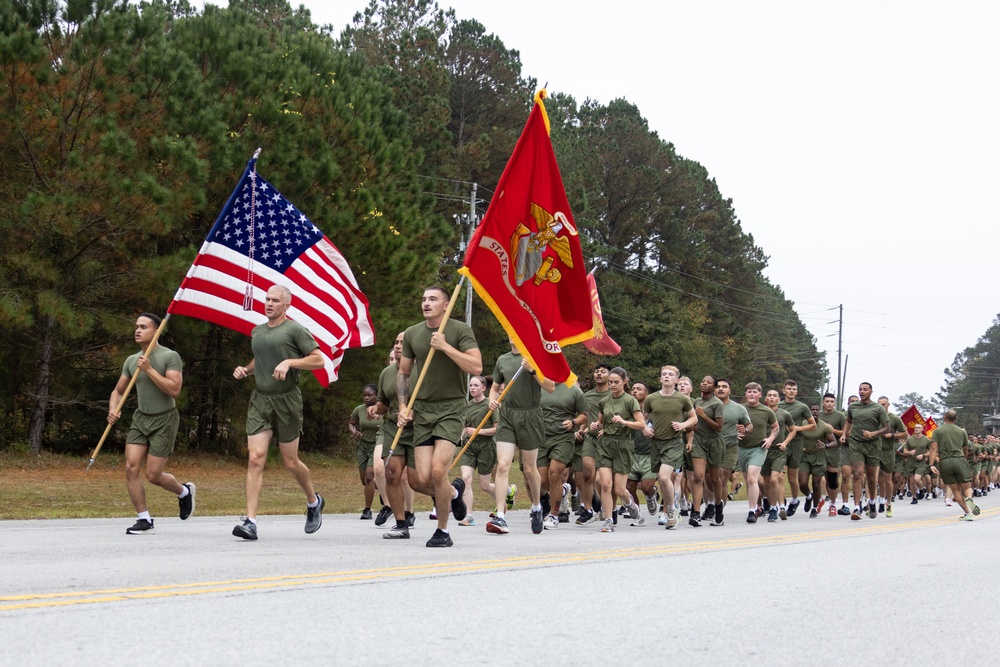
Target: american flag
(259,240)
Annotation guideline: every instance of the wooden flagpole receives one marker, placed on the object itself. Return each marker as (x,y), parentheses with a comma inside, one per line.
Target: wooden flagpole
(128,389)
(427,362)
(488,414)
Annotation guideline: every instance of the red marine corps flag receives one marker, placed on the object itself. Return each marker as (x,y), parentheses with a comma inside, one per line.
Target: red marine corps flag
(601,343)
(912,417)
(259,240)
(525,259)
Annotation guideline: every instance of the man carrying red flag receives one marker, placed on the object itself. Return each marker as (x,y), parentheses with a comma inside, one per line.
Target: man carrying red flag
(525,259)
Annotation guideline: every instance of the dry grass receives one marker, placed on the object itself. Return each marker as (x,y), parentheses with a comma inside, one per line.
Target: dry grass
(56,487)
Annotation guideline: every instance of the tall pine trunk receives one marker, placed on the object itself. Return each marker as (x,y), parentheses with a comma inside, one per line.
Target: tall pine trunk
(37,425)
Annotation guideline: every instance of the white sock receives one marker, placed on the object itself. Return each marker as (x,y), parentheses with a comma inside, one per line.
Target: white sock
(313,504)
(144,515)
(454,493)
(536,508)
(184,493)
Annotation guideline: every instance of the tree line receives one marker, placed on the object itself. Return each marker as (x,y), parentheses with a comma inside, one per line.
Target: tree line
(124,128)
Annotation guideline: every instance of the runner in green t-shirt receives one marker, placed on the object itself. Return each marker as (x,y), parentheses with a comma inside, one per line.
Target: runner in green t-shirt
(281,349)
(395,468)
(773,470)
(520,425)
(916,453)
(757,437)
(365,430)
(804,421)
(439,406)
(735,415)
(866,422)
(641,477)
(151,436)
(585,453)
(707,453)
(814,461)
(949,447)
(887,466)
(669,414)
(564,411)
(619,415)
(840,463)
(480,457)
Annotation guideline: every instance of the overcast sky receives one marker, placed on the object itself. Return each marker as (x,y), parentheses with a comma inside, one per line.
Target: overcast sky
(858,141)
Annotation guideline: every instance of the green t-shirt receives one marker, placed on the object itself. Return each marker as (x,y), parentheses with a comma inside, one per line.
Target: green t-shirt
(734,414)
(562,404)
(836,419)
(896,426)
(800,414)
(594,400)
(763,419)
(713,408)
(523,394)
(271,346)
(625,406)
(811,439)
(369,427)
(950,438)
(785,422)
(444,380)
(474,413)
(151,400)
(662,410)
(387,392)
(866,417)
(917,446)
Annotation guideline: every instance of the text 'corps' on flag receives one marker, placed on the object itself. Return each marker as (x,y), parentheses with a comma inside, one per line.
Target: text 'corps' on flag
(601,343)
(525,259)
(259,240)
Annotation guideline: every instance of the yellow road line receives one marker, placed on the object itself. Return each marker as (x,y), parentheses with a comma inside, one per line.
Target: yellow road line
(64,599)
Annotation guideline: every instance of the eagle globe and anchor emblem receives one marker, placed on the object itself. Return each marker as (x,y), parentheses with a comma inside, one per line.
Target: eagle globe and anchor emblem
(528,248)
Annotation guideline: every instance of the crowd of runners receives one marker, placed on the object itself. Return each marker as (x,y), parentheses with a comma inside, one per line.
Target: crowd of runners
(586,457)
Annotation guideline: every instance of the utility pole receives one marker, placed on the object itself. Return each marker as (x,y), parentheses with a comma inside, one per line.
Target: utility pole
(840,337)
(472,228)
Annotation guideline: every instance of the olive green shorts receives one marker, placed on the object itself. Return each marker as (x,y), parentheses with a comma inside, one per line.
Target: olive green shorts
(640,468)
(157,431)
(920,468)
(587,448)
(615,453)
(832,457)
(364,453)
(846,455)
(887,461)
(793,454)
(955,470)
(481,455)
(715,449)
(669,453)
(557,447)
(731,459)
(279,413)
(438,420)
(522,427)
(813,463)
(774,461)
(867,452)
(404,447)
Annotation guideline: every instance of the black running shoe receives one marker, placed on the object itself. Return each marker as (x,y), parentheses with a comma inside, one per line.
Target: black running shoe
(914,502)
(411,519)
(383,515)
(440,539)
(314,515)
(751,517)
(536,523)
(546,506)
(366,514)
(793,507)
(458,508)
(813,513)
(187,502)
(767,504)
(709,512)
(141,527)
(695,520)
(247,530)
(397,532)
(808,505)
(844,511)
(564,517)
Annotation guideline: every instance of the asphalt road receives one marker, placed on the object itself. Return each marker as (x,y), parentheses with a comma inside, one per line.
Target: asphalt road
(918,587)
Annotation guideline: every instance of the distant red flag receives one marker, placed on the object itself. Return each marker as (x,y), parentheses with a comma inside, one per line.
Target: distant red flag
(930,426)
(912,417)
(525,259)
(601,343)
